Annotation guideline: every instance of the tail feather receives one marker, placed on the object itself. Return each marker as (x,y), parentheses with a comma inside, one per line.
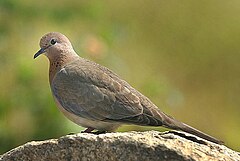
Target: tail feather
(171,123)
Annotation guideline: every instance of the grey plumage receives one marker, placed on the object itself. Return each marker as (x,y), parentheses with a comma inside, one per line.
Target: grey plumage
(94,92)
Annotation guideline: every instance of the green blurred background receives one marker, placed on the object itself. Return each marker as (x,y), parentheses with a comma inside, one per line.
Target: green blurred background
(183,55)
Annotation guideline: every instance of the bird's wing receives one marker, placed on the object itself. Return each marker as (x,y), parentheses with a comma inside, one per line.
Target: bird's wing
(88,91)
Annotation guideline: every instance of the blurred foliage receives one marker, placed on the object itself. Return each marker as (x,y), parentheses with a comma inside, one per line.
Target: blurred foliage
(183,55)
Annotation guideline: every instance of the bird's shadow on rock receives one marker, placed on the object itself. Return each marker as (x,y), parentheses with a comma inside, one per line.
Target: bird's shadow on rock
(188,137)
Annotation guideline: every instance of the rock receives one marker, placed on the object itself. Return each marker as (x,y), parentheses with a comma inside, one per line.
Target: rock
(134,146)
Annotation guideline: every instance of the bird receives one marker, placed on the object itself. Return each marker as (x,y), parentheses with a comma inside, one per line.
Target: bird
(94,97)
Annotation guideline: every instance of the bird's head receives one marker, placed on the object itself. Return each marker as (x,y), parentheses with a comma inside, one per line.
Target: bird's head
(53,44)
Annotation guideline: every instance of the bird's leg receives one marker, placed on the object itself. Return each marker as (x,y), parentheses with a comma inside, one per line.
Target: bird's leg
(88,130)
(98,132)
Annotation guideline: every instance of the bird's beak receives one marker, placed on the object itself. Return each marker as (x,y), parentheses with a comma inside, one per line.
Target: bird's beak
(42,50)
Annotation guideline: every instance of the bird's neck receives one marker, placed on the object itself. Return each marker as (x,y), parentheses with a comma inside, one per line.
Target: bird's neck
(57,63)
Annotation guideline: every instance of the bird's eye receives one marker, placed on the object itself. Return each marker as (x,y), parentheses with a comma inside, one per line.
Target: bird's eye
(53,41)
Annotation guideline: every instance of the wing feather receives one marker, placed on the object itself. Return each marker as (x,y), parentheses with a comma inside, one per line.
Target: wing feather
(90,92)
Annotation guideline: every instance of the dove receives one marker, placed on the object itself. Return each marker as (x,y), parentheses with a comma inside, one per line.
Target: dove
(96,98)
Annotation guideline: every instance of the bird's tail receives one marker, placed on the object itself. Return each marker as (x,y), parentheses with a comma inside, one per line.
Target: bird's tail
(171,123)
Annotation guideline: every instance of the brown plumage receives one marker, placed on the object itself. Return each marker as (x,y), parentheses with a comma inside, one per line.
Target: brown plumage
(94,97)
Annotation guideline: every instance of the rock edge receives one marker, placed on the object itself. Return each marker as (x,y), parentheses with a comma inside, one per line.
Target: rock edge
(134,146)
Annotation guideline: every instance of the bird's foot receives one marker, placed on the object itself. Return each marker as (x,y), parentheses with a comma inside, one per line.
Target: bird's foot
(98,132)
(90,130)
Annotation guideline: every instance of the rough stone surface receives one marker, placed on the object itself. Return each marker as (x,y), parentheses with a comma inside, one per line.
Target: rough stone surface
(133,146)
